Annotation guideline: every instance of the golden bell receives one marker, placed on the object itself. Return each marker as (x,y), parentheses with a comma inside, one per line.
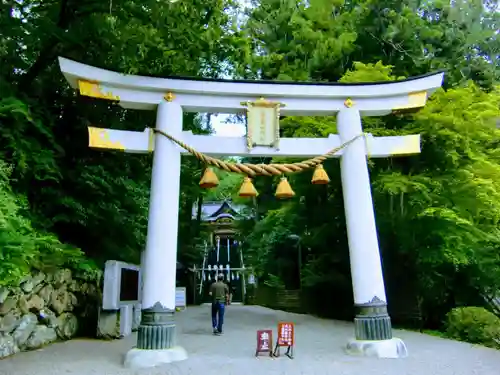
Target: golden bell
(209,179)
(284,190)
(247,189)
(319,176)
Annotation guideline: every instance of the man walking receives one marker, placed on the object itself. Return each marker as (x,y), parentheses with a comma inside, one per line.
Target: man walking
(219,293)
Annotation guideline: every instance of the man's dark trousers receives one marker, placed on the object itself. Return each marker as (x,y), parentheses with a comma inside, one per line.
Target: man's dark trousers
(218,312)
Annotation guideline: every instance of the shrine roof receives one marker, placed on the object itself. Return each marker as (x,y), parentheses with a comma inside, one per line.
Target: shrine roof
(213,210)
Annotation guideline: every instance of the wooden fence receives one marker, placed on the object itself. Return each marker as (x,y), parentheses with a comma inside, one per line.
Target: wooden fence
(288,300)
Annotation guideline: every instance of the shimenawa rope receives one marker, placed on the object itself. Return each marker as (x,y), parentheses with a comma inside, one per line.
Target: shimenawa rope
(258,169)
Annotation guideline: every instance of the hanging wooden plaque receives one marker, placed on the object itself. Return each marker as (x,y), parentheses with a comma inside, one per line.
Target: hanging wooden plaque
(263,123)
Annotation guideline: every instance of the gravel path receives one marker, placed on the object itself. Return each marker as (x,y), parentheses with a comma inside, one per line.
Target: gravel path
(318,351)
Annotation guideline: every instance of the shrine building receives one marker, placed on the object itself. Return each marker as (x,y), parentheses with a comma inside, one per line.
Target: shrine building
(223,254)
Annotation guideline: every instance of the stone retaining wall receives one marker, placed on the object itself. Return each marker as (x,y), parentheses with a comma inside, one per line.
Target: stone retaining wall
(44,308)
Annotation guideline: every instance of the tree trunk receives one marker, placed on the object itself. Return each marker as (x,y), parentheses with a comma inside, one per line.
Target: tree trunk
(198,214)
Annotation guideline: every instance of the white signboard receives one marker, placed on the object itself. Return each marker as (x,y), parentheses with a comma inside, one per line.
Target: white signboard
(180,298)
(112,288)
(263,123)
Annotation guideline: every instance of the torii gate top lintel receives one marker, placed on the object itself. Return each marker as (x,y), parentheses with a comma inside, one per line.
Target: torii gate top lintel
(226,96)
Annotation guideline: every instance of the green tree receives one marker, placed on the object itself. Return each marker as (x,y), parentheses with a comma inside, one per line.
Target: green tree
(321,39)
(439,249)
(94,200)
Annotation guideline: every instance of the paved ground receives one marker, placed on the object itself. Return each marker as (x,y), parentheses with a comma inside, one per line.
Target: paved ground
(318,351)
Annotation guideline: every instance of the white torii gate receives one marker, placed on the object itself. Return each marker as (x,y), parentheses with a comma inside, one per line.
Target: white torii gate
(173,96)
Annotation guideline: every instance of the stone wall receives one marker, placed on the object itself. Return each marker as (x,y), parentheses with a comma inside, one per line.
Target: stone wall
(44,308)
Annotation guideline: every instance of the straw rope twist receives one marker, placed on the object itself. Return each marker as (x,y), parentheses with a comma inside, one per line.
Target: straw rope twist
(258,169)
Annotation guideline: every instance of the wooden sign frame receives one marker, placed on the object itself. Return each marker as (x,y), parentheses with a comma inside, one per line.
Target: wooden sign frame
(280,341)
(259,350)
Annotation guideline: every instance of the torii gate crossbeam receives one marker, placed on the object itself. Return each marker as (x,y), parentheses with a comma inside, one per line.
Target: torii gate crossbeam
(170,97)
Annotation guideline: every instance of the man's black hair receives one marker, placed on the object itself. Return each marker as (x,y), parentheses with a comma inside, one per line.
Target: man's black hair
(220,278)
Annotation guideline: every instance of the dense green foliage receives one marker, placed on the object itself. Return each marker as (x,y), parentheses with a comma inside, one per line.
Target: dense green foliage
(437,212)
(475,325)
(97,201)
(22,246)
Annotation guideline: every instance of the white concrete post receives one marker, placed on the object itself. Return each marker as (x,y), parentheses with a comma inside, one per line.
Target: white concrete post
(160,259)
(366,269)
(141,273)
(156,333)
(372,324)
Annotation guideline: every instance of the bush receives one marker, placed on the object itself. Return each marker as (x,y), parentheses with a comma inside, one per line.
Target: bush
(23,248)
(475,325)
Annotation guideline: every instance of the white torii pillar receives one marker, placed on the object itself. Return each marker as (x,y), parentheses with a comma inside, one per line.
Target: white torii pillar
(171,97)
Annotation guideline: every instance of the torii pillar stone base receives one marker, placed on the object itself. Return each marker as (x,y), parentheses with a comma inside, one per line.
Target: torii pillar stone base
(393,348)
(144,358)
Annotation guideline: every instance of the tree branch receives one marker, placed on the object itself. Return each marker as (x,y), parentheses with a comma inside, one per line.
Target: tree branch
(48,52)
(54,46)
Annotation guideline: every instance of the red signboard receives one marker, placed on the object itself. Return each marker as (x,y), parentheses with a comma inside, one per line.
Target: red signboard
(286,334)
(264,342)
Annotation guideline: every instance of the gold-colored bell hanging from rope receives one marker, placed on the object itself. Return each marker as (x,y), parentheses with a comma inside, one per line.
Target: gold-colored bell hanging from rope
(284,190)
(320,177)
(247,189)
(209,179)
